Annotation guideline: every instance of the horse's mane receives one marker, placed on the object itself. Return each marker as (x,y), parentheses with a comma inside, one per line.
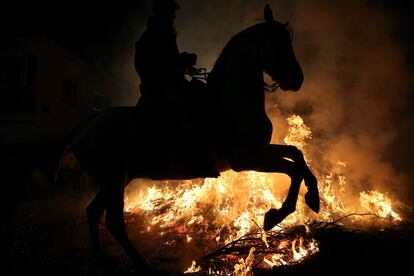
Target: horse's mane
(218,72)
(218,67)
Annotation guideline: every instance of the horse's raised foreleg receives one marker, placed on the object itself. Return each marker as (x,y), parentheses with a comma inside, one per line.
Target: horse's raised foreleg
(271,159)
(275,216)
(312,196)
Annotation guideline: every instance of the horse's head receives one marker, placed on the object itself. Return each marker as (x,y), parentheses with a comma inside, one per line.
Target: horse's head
(277,56)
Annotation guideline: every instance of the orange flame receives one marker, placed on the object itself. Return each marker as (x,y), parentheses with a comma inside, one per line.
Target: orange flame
(233,205)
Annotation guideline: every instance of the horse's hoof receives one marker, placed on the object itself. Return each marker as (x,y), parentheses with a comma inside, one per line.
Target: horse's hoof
(273,217)
(312,199)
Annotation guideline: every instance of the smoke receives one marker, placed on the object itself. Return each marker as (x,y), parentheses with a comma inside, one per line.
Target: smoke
(356,80)
(355,86)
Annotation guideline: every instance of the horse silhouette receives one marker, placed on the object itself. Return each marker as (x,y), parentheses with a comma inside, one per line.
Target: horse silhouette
(230,131)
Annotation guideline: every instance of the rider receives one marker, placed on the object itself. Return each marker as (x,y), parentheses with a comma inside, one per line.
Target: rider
(161,67)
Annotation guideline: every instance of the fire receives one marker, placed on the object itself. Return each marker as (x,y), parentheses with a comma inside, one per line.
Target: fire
(298,132)
(275,260)
(301,252)
(296,252)
(244,267)
(193,268)
(377,203)
(222,211)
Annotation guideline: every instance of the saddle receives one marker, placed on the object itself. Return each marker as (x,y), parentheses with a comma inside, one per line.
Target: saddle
(173,143)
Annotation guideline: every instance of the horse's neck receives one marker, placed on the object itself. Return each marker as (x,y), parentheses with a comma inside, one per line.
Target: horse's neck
(238,73)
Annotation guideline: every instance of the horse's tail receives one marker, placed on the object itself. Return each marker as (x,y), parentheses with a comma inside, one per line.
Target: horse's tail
(66,142)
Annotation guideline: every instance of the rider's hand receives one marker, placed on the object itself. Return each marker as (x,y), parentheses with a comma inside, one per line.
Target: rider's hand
(191,71)
(188,59)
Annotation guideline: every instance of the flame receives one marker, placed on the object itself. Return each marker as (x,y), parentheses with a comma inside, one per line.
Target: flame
(378,204)
(193,268)
(301,253)
(244,267)
(218,211)
(235,200)
(275,260)
(298,132)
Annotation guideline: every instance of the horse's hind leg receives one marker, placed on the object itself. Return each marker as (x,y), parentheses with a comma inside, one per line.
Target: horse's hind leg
(95,211)
(115,224)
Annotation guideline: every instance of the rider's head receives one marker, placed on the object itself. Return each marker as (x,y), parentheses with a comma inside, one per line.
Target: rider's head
(165,7)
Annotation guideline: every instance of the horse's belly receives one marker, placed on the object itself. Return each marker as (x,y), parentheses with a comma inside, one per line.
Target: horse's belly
(176,160)
(102,137)
(118,138)
(254,132)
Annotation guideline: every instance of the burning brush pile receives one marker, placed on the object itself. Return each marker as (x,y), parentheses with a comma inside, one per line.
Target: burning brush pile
(213,226)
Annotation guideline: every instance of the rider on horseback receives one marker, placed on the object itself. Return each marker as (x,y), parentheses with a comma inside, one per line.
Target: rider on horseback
(169,107)
(165,102)
(113,147)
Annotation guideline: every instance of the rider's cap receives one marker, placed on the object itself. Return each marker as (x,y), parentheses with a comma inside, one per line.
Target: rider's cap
(165,5)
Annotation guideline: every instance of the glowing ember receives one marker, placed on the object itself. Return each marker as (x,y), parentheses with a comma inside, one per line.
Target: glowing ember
(193,268)
(275,260)
(212,213)
(298,251)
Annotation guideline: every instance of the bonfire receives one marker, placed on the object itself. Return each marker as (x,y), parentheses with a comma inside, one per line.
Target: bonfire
(214,226)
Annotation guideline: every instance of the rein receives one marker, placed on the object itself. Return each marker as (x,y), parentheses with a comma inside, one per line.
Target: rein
(271,87)
(201,74)
(267,87)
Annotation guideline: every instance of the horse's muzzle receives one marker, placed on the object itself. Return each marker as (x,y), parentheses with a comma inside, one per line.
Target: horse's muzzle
(293,79)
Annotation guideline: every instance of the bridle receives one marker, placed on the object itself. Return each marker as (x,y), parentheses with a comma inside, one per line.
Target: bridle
(201,74)
(271,88)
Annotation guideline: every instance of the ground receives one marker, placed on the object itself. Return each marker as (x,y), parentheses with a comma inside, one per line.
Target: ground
(47,234)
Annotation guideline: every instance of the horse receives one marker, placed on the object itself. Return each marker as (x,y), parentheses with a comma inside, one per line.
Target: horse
(233,132)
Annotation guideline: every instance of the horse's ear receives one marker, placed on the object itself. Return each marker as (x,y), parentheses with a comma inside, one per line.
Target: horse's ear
(268,14)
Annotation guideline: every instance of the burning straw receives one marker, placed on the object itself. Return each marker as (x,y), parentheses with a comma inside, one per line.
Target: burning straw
(218,220)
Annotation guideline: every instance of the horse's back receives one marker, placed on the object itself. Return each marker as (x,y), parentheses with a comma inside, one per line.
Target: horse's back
(101,137)
(101,128)
(122,137)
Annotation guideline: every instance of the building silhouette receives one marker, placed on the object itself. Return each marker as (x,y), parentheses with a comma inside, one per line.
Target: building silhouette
(45,90)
